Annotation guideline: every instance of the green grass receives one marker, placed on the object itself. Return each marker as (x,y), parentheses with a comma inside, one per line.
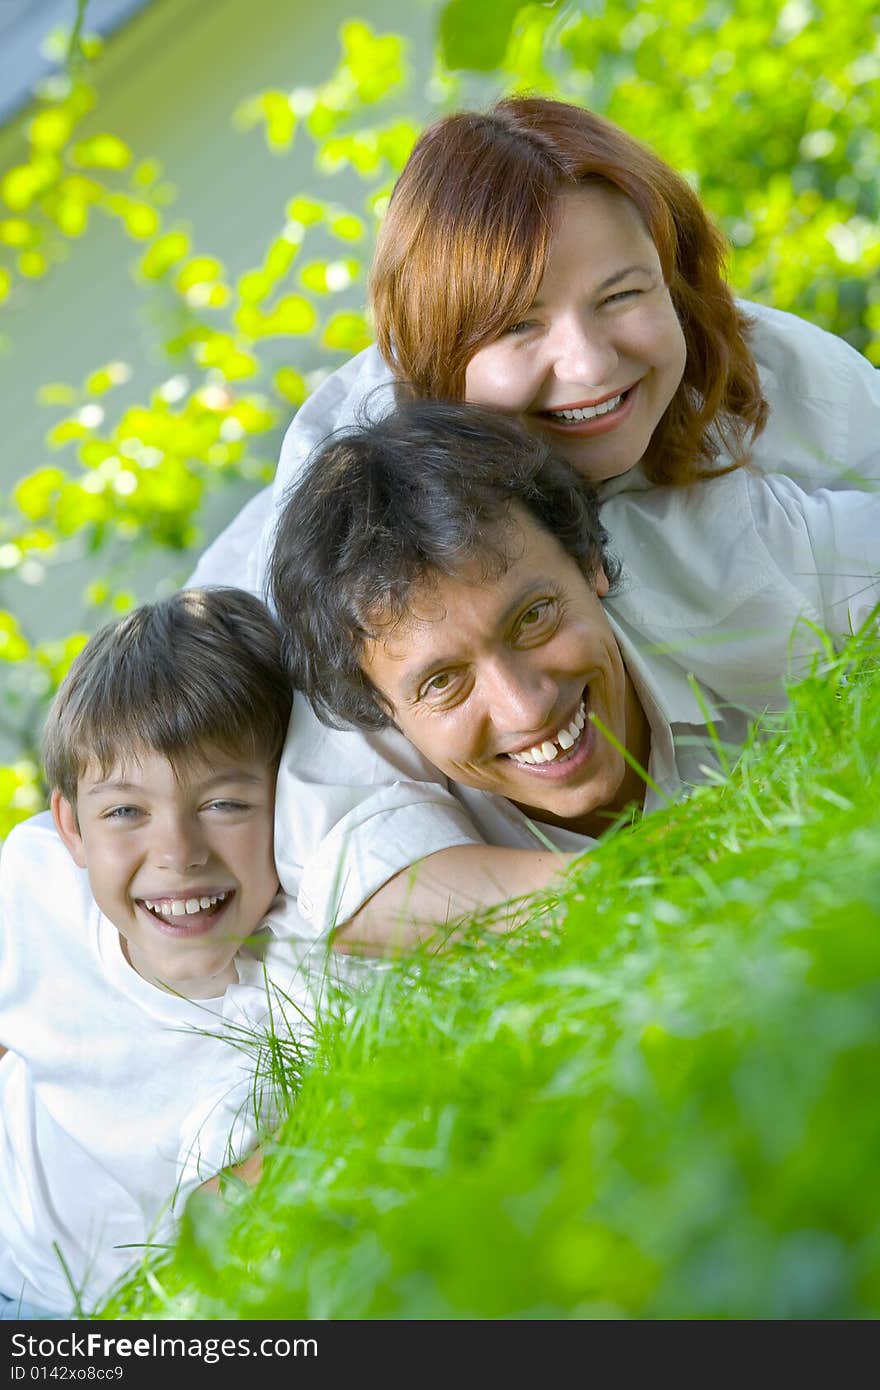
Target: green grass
(658,1099)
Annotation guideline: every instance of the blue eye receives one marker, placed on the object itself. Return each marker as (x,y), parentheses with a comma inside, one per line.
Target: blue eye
(122,813)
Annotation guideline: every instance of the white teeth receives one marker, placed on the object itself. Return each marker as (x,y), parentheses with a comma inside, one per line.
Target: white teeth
(587,412)
(550,748)
(182,907)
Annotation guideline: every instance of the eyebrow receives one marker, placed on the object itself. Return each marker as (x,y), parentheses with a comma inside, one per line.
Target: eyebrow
(415,679)
(120,784)
(611,280)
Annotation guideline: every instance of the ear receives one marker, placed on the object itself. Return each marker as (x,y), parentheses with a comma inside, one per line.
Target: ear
(67,826)
(601,582)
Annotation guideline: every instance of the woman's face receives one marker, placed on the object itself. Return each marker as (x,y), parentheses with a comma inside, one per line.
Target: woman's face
(600,353)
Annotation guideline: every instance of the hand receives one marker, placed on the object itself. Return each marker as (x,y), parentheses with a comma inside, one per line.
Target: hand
(249,1171)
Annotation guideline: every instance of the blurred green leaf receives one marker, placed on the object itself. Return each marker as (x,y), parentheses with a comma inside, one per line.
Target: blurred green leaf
(36,494)
(97,383)
(308,211)
(32,264)
(347,332)
(376,63)
(50,129)
(290,385)
(102,152)
(347,227)
(474,33)
(292,314)
(20,793)
(16,231)
(13,645)
(164,253)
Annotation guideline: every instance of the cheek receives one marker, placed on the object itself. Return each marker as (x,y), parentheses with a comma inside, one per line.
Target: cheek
(495,377)
(664,339)
(444,742)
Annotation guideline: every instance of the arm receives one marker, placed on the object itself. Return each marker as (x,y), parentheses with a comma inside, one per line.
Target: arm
(824,398)
(828,543)
(249,1171)
(423,902)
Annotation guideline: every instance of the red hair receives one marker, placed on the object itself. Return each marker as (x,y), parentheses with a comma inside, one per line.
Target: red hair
(463,248)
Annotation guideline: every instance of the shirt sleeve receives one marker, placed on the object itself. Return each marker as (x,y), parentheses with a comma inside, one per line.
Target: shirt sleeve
(352,810)
(827,543)
(359,391)
(235,557)
(824,398)
(361,387)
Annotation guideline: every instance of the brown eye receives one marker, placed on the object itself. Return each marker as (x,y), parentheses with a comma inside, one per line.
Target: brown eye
(533,615)
(437,685)
(537,614)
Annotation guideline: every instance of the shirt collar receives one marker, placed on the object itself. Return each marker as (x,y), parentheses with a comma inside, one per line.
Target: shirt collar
(661,682)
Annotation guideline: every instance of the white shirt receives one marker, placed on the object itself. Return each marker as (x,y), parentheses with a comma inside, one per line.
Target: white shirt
(117,1098)
(716,577)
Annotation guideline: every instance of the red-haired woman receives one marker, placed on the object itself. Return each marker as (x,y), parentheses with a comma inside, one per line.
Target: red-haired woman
(539,260)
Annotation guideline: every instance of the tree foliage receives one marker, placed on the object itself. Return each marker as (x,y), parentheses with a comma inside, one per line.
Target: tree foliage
(772,109)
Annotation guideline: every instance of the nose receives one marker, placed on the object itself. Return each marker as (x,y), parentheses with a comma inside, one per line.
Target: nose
(520,697)
(179,843)
(583,353)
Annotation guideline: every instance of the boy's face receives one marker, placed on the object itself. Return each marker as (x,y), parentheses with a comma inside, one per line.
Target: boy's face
(181,865)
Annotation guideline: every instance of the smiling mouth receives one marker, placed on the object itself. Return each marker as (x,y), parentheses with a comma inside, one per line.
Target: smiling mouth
(164,908)
(562,747)
(187,916)
(578,414)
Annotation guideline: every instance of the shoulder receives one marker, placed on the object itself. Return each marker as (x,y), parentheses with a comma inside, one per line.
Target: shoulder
(824,400)
(37,873)
(359,389)
(795,355)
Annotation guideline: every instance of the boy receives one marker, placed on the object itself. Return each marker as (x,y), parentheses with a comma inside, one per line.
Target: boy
(136,931)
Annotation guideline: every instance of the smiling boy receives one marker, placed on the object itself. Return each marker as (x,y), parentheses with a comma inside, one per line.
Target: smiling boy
(141,936)
(179,858)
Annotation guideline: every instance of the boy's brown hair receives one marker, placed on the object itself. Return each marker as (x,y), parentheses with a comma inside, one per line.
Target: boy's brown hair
(198,672)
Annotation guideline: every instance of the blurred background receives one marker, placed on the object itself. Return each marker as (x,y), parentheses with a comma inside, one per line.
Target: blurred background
(189,196)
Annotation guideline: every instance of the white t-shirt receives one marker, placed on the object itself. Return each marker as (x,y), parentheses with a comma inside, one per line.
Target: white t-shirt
(117,1098)
(715,578)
